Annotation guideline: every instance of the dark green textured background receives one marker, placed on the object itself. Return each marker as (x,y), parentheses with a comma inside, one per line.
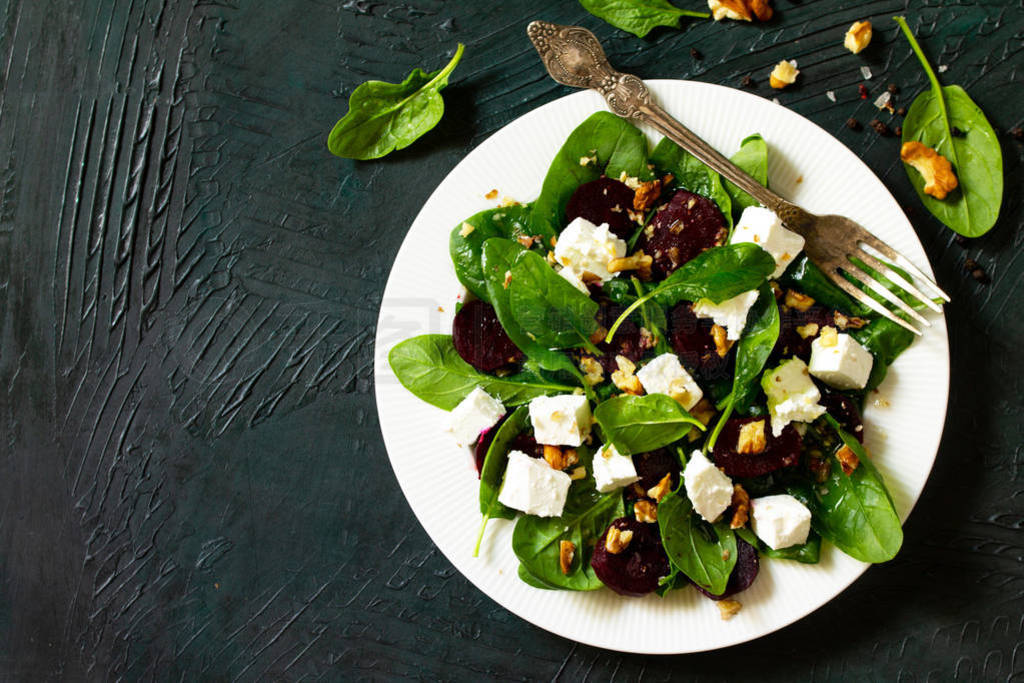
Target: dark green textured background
(192,482)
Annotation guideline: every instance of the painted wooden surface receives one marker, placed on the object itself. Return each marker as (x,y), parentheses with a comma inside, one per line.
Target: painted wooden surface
(193,483)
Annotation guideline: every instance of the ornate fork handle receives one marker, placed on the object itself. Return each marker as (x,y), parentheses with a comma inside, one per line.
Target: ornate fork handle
(574,57)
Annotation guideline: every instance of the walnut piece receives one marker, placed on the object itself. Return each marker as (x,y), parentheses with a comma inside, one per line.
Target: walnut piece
(645,511)
(795,299)
(740,10)
(752,439)
(784,73)
(848,459)
(858,36)
(617,540)
(661,489)
(844,322)
(740,507)
(939,179)
(808,330)
(466,229)
(703,411)
(560,458)
(722,342)
(645,195)
(592,371)
(578,473)
(624,379)
(729,608)
(828,337)
(639,261)
(566,553)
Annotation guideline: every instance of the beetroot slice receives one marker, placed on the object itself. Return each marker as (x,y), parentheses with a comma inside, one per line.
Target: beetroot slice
(743,574)
(790,342)
(484,443)
(844,410)
(636,569)
(626,341)
(480,339)
(604,201)
(652,467)
(781,451)
(689,225)
(691,339)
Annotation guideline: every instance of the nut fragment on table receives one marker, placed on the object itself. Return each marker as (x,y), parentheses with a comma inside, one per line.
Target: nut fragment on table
(858,36)
(939,179)
(784,73)
(740,10)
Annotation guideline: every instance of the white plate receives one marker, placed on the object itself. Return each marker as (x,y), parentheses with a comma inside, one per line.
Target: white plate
(807,165)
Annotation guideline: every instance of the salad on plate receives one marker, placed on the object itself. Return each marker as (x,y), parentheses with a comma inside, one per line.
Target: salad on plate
(657,386)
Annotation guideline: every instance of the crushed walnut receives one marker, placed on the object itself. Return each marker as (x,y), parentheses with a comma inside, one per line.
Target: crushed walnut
(752,438)
(599,334)
(592,371)
(722,342)
(467,229)
(848,459)
(703,411)
(852,322)
(638,261)
(740,507)
(508,279)
(617,539)
(648,192)
(559,458)
(828,337)
(661,489)
(588,161)
(858,36)
(625,379)
(507,201)
(566,553)
(728,608)
(808,330)
(645,511)
(740,10)
(939,179)
(492,194)
(784,73)
(525,240)
(795,299)
(629,181)
(647,340)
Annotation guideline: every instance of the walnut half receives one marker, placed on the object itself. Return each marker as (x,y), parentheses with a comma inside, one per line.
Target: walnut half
(617,540)
(939,179)
(784,73)
(858,36)
(740,10)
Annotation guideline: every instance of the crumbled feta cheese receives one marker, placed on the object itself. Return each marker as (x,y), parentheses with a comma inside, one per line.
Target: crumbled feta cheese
(562,420)
(844,365)
(780,521)
(666,375)
(792,395)
(762,227)
(587,248)
(730,314)
(866,73)
(612,470)
(708,488)
(477,412)
(531,486)
(573,278)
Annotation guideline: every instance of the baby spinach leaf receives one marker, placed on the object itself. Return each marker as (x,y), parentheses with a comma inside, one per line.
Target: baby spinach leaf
(752,157)
(885,340)
(549,309)
(855,512)
(803,276)
(637,424)
(493,471)
(806,553)
(530,580)
(692,174)
(753,349)
(706,553)
(618,146)
(639,16)
(430,368)
(466,250)
(587,513)
(386,116)
(977,158)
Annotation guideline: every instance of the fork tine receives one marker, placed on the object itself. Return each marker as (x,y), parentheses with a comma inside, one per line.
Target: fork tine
(863,298)
(890,253)
(883,268)
(865,279)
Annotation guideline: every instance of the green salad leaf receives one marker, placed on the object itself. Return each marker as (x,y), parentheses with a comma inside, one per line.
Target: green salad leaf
(430,368)
(639,16)
(637,424)
(466,249)
(755,345)
(493,471)
(977,158)
(387,116)
(752,157)
(805,553)
(804,276)
(692,174)
(706,553)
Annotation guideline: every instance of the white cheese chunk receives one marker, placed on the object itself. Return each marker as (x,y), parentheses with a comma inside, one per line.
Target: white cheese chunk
(708,488)
(792,396)
(587,248)
(531,486)
(762,227)
(666,375)
(730,314)
(477,412)
(562,420)
(574,279)
(843,365)
(612,470)
(780,521)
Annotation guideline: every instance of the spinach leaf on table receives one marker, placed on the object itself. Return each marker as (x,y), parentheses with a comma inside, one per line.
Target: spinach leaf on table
(639,16)
(549,309)
(692,174)
(977,158)
(706,553)
(587,513)
(752,157)
(618,146)
(430,368)
(466,250)
(805,553)
(493,471)
(754,347)
(637,424)
(386,116)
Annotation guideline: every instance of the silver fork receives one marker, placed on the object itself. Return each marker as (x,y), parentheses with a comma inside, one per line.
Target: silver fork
(573,56)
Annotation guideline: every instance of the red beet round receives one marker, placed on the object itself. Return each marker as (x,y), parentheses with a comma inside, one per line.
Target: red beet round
(844,409)
(743,574)
(790,342)
(691,339)
(626,341)
(780,451)
(604,201)
(636,569)
(480,339)
(689,225)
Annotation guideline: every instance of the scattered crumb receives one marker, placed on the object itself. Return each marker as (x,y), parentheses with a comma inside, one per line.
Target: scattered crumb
(800,180)
(492,194)
(440,309)
(865,71)
(728,608)
(831,95)
(776,100)
(943,68)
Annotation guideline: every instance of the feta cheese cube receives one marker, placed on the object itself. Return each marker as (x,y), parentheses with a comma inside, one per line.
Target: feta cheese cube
(477,412)
(708,488)
(531,486)
(587,248)
(612,470)
(762,227)
(562,420)
(574,279)
(666,375)
(792,396)
(845,364)
(780,521)
(730,314)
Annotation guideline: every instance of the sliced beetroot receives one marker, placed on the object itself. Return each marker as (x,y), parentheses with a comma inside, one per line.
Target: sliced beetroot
(604,201)
(636,569)
(626,341)
(480,339)
(687,226)
(780,451)
(484,443)
(743,574)
(691,339)
(844,409)
(525,442)
(791,342)
(653,466)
